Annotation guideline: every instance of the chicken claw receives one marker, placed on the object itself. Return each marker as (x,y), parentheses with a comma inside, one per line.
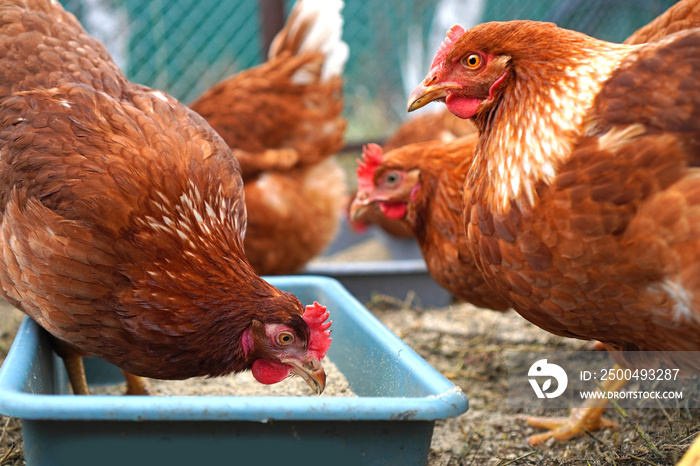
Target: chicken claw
(587,418)
(563,428)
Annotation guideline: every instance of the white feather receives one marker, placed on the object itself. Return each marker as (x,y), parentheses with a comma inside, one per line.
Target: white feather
(325,35)
(683,308)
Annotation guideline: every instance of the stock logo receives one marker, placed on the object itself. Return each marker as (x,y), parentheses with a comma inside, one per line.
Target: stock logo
(543,369)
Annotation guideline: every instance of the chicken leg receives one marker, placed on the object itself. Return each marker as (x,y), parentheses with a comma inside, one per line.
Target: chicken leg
(73,360)
(76,374)
(588,417)
(135,385)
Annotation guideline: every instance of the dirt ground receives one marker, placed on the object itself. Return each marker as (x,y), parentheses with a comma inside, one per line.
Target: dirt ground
(468,346)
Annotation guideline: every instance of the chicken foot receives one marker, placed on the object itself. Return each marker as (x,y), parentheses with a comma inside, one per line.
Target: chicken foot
(588,417)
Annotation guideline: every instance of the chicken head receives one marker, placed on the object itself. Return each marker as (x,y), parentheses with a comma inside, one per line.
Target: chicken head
(390,188)
(297,347)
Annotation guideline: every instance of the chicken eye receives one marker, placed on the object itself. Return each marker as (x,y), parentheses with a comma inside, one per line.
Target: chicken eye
(285,338)
(392,179)
(472,61)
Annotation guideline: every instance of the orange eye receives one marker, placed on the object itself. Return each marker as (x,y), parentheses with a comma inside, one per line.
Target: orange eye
(472,61)
(285,338)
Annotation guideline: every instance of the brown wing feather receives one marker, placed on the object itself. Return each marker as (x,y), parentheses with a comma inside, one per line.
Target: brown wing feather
(635,95)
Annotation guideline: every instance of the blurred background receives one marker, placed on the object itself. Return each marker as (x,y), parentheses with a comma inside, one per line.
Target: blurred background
(185,46)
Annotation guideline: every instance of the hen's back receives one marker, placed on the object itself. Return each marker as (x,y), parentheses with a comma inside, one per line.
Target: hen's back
(72,123)
(43,45)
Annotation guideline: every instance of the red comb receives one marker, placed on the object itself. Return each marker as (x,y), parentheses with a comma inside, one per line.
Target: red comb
(372,156)
(320,339)
(453,35)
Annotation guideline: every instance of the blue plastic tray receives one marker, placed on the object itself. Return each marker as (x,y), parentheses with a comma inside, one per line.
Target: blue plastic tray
(390,422)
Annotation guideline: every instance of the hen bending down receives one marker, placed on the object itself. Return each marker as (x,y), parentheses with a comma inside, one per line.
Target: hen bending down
(283,121)
(421,186)
(582,207)
(122,220)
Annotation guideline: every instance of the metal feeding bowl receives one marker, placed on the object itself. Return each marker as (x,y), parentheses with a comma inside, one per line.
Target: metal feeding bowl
(399,398)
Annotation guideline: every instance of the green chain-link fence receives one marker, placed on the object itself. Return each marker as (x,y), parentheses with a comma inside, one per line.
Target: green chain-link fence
(185,46)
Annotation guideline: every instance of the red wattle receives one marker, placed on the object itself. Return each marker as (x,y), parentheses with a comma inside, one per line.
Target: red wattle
(268,372)
(463,107)
(394,210)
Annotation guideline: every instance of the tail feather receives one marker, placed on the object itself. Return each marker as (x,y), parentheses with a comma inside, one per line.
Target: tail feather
(315,26)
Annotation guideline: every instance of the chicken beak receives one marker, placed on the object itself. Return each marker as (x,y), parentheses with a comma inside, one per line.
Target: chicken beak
(427,91)
(359,205)
(312,372)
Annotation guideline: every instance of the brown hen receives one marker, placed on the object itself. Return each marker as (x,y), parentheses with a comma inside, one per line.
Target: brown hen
(421,186)
(122,220)
(442,126)
(282,119)
(582,207)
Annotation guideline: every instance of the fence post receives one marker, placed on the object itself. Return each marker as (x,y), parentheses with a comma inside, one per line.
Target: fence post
(272,20)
